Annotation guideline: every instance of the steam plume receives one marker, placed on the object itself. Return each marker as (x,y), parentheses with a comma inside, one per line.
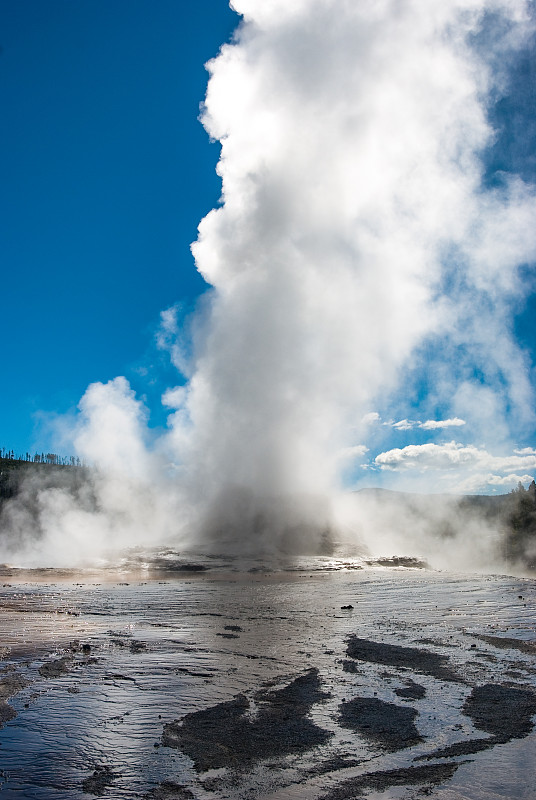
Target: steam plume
(351,136)
(355,227)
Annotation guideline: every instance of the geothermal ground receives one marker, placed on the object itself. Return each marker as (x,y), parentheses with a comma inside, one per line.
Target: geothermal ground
(324,678)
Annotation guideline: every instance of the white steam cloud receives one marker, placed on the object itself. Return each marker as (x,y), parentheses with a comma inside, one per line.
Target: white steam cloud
(355,225)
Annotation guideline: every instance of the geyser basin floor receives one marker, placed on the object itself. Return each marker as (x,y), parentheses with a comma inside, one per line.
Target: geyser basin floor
(177,687)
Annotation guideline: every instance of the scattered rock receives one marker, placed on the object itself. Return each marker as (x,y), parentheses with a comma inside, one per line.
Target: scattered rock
(350,666)
(346,608)
(98,782)
(413,691)
(57,668)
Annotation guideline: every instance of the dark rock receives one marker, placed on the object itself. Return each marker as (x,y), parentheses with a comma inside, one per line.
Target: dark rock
(98,782)
(57,668)
(504,712)
(6,712)
(225,736)
(395,655)
(413,691)
(350,666)
(388,725)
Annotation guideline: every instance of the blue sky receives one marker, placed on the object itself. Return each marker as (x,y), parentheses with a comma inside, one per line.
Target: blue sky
(105,173)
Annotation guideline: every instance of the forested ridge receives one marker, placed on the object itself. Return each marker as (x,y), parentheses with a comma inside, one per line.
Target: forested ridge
(14,470)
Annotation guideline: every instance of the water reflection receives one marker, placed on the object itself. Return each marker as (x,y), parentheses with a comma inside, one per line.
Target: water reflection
(160,647)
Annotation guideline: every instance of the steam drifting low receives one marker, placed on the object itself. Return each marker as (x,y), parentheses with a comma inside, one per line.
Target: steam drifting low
(360,251)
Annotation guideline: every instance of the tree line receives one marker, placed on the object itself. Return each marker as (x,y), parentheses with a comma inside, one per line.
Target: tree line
(41,458)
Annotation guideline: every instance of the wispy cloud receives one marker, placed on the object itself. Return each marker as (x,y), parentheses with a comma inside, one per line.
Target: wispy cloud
(429,425)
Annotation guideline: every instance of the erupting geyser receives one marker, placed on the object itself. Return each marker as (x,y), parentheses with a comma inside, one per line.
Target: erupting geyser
(356,224)
(350,135)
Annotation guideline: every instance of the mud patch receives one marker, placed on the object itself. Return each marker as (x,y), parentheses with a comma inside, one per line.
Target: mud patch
(235,734)
(395,655)
(503,643)
(333,765)
(502,711)
(389,726)
(427,777)
(10,685)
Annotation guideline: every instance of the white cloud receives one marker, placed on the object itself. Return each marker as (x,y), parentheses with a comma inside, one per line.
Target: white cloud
(428,456)
(485,482)
(509,480)
(404,425)
(370,418)
(450,456)
(432,424)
